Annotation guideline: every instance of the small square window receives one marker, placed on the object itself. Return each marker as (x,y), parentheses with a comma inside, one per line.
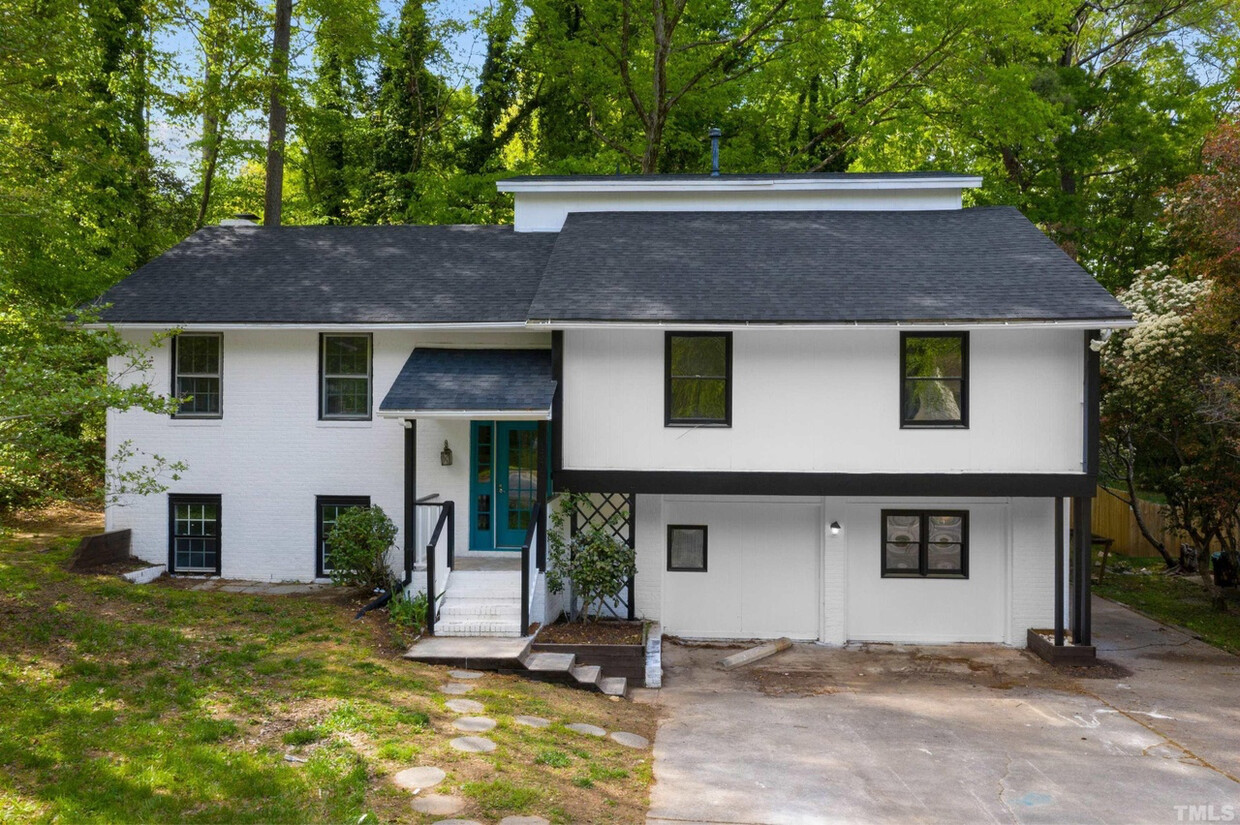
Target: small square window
(686,548)
(925,544)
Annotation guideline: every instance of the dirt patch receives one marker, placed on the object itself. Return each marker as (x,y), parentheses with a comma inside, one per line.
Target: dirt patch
(793,683)
(112,568)
(602,632)
(1100,670)
(55,521)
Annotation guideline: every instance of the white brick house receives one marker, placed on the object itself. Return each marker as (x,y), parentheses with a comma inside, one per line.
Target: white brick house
(835,407)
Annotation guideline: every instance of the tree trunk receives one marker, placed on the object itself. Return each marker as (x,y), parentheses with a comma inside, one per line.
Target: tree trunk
(277,122)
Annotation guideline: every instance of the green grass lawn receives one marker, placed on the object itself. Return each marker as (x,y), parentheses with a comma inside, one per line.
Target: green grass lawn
(128,703)
(1177,600)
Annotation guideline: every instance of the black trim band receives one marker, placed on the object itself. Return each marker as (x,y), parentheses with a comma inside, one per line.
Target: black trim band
(952,485)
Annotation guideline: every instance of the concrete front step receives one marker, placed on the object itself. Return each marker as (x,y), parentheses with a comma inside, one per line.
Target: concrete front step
(587,675)
(478,626)
(613,685)
(480,607)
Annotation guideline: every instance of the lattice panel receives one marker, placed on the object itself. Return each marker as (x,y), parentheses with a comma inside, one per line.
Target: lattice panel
(612,512)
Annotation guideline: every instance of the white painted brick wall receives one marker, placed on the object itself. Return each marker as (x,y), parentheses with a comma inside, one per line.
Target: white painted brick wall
(270,455)
(1032,595)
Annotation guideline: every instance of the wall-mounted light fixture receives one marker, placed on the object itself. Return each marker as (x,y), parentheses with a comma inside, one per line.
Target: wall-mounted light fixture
(445,458)
(835,528)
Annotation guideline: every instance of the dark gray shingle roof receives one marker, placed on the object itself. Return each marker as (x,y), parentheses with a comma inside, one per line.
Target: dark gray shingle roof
(771,176)
(983,264)
(337,274)
(473,379)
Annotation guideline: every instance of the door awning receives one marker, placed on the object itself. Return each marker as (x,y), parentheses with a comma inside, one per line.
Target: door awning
(497,384)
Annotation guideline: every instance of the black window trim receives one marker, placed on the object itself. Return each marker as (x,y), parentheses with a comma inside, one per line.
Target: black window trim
(923,544)
(219,336)
(963,423)
(370,376)
(189,498)
(668,421)
(672,528)
(347,501)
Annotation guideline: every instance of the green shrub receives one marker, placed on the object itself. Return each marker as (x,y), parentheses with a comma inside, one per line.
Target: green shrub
(358,545)
(408,612)
(597,563)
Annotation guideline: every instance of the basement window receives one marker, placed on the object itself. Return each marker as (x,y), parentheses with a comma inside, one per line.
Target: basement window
(327,510)
(344,377)
(194,534)
(926,544)
(686,548)
(698,373)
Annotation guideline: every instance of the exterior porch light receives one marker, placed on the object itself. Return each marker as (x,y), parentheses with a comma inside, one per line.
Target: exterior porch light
(445,457)
(835,528)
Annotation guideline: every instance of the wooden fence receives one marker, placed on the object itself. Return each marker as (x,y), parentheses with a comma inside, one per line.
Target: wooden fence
(1113,518)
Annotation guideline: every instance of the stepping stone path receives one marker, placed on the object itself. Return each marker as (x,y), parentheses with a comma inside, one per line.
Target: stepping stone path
(588,730)
(438,804)
(473,744)
(458,822)
(474,724)
(415,779)
(466,674)
(456,688)
(464,706)
(630,740)
(531,721)
(523,820)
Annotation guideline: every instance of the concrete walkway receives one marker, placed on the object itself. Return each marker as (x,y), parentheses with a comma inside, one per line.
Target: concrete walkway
(960,734)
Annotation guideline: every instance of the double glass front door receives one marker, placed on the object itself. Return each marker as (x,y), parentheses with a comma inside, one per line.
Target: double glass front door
(503,483)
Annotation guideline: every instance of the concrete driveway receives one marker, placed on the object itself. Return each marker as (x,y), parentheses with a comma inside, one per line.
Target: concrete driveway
(960,734)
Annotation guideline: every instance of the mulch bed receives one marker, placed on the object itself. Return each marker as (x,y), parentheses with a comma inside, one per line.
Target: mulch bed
(601,632)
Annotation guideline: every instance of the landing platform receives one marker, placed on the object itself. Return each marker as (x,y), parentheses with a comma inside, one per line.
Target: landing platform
(481,652)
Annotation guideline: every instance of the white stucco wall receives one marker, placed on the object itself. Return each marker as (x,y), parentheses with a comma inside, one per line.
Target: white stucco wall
(269,456)
(546,211)
(825,401)
(775,569)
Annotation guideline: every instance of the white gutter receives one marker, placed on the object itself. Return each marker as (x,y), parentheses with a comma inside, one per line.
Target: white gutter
(1097,323)
(489,415)
(350,327)
(652,183)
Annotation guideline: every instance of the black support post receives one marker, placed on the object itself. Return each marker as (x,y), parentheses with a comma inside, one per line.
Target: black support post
(557,407)
(1081,564)
(1058,572)
(411,495)
(541,497)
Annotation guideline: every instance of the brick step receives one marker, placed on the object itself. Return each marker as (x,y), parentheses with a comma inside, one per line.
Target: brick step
(478,627)
(478,608)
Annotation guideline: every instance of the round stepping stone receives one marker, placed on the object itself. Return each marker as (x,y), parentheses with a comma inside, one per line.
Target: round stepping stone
(414,779)
(473,724)
(588,730)
(532,721)
(438,804)
(464,706)
(465,674)
(523,820)
(473,744)
(456,688)
(630,740)
(458,822)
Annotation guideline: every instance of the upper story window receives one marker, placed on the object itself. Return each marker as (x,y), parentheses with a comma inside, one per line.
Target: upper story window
(934,379)
(196,374)
(344,377)
(698,388)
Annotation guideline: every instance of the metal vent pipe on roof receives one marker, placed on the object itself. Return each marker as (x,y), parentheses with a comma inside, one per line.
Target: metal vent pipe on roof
(715,134)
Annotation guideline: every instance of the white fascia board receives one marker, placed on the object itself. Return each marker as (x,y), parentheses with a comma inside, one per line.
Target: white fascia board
(485,415)
(376,327)
(783,185)
(1108,323)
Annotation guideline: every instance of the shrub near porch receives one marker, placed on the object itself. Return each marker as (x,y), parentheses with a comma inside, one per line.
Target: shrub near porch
(126,702)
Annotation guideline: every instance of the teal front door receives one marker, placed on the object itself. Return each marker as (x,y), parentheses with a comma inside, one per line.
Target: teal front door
(503,483)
